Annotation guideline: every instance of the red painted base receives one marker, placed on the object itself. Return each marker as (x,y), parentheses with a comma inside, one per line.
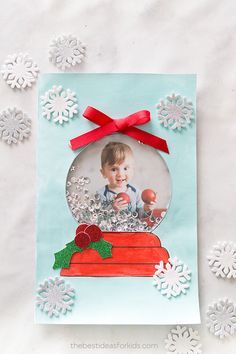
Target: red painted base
(133,254)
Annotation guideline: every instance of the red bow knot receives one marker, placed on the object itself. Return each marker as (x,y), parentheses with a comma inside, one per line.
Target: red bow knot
(123,125)
(138,118)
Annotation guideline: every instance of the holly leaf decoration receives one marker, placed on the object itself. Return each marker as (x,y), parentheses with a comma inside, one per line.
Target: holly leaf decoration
(63,257)
(102,247)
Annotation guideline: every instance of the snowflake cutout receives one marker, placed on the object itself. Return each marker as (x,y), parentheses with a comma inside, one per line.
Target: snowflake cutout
(19,71)
(222,260)
(176,112)
(182,340)
(66,51)
(55,297)
(173,278)
(221,318)
(59,104)
(14,126)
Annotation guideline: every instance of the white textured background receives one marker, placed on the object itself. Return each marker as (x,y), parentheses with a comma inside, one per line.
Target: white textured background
(122,36)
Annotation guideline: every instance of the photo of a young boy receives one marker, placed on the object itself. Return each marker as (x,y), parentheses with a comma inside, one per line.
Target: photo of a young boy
(118,168)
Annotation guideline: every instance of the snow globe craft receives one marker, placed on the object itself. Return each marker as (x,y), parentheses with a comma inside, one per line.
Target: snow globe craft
(118,191)
(116,206)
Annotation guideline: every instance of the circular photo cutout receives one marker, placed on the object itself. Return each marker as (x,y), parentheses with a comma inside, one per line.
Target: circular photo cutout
(120,185)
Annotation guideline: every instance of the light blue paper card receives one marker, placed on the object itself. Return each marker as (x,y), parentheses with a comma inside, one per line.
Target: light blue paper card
(117,289)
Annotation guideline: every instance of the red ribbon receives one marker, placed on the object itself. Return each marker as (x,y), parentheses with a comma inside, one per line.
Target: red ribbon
(122,125)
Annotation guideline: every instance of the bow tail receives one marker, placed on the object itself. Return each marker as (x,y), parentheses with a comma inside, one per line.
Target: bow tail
(147,138)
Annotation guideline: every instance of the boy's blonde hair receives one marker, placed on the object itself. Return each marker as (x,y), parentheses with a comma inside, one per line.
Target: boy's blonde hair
(114,152)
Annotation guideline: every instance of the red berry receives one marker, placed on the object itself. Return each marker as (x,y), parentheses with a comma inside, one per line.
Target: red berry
(148,196)
(82,240)
(124,196)
(94,232)
(81,228)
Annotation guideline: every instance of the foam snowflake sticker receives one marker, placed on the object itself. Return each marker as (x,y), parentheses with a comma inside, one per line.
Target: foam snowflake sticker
(183,340)
(59,104)
(66,51)
(55,297)
(14,126)
(176,112)
(222,259)
(19,71)
(221,318)
(173,278)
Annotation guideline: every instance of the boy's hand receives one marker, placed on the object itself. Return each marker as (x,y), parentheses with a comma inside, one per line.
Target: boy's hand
(119,204)
(148,208)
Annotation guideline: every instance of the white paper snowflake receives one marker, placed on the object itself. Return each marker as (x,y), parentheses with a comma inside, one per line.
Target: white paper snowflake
(182,340)
(222,259)
(173,278)
(221,318)
(14,126)
(55,297)
(176,112)
(19,71)
(59,104)
(66,51)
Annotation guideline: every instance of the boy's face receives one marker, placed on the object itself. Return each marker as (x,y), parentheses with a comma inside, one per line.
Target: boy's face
(119,175)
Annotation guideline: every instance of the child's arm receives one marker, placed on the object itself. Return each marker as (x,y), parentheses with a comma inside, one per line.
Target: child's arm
(108,201)
(144,210)
(148,208)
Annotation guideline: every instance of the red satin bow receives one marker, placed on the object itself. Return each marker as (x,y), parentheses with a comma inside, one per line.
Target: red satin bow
(122,125)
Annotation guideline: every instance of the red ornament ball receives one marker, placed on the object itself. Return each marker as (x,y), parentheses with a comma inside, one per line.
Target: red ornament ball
(124,196)
(82,239)
(148,196)
(94,232)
